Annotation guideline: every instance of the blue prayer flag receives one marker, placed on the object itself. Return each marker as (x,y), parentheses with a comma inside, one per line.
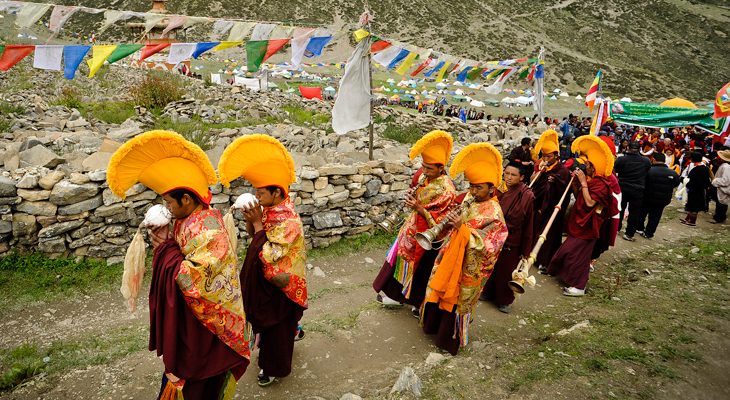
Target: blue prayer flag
(203,47)
(316,45)
(398,58)
(72,57)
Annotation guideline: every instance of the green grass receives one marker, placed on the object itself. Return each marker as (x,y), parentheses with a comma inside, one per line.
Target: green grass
(403,134)
(35,277)
(301,116)
(23,362)
(353,244)
(109,112)
(7,108)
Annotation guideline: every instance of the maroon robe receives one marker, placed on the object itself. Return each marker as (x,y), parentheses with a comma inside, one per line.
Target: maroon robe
(189,350)
(271,313)
(547,194)
(517,206)
(607,238)
(572,261)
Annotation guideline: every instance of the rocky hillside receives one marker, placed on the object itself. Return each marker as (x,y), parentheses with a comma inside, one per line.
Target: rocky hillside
(649,49)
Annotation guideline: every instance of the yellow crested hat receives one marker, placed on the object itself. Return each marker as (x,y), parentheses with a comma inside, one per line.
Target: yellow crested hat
(548,143)
(434,147)
(260,159)
(480,162)
(162,161)
(597,152)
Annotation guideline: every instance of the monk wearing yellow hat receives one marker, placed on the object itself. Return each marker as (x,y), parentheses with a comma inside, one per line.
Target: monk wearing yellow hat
(594,205)
(407,266)
(548,188)
(198,329)
(466,260)
(273,274)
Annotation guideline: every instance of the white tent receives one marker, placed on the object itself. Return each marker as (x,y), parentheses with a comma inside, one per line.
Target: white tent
(473,86)
(557,90)
(391,81)
(553,97)
(524,100)
(457,83)
(476,103)
(564,94)
(579,97)
(626,99)
(459,92)
(441,85)
(509,100)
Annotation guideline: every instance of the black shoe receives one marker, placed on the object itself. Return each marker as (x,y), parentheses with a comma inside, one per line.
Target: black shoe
(264,380)
(300,334)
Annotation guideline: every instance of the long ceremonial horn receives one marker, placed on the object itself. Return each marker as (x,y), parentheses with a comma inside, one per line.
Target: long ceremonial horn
(534,179)
(521,275)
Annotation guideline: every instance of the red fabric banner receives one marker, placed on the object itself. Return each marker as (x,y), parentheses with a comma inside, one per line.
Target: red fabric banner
(379,46)
(150,49)
(274,46)
(311,92)
(13,54)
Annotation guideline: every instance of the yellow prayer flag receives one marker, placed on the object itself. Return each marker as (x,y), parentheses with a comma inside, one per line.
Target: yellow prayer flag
(99,54)
(227,45)
(442,72)
(406,64)
(360,34)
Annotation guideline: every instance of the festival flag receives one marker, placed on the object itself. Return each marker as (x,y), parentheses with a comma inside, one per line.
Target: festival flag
(434,69)
(203,47)
(316,45)
(352,106)
(175,22)
(474,73)
(274,46)
(13,54)
(406,64)
(311,92)
(151,49)
(123,51)
(495,73)
(601,116)
(59,17)
(497,85)
(255,52)
(180,52)
(722,102)
(48,57)
(442,72)
(398,58)
(99,54)
(261,32)
(30,14)
(385,57)
(227,45)
(299,45)
(72,57)
(239,31)
(379,45)
(524,72)
(593,91)
(423,66)
(463,74)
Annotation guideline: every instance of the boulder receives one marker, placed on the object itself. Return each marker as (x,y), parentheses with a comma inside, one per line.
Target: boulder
(59,228)
(96,161)
(28,181)
(109,146)
(81,206)
(23,225)
(39,156)
(66,193)
(327,219)
(7,187)
(372,187)
(42,208)
(34,195)
(128,129)
(52,245)
(51,179)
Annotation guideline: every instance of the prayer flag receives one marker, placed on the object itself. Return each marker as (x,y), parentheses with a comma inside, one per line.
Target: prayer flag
(311,92)
(274,46)
(398,58)
(262,32)
(434,69)
(99,54)
(239,31)
(72,57)
(48,57)
(379,45)
(316,45)
(227,45)
(360,34)
(423,66)
(122,51)
(442,72)
(593,91)
(601,116)
(352,106)
(299,45)
(403,68)
(175,22)
(180,52)
(722,102)
(203,47)
(30,14)
(463,74)
(59,16)
(151,49)
(13,54)
(255,52)
(386,56)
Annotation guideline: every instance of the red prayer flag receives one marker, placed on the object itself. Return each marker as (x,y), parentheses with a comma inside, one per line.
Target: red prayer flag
(722,102)
(311,92)
(13,54)
(421,67)
(379,45)
(150,49)
(274,46)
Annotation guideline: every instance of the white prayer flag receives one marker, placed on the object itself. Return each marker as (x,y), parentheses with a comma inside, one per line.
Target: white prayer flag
(352,106)
(180,52)
(48,57)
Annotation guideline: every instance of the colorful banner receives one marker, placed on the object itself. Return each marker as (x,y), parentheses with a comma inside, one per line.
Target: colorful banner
(658,116)
(72,57)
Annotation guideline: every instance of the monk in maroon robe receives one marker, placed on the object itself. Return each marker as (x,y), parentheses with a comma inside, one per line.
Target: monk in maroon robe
(548,189)
(517,206)
(572,261)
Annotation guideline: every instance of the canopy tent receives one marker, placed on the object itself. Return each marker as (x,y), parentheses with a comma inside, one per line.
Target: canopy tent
(659,116)
(407,98)
(476,103)
(579,97)
(678,102)
(525,100)
(459,98)
(509,100)
(441,85)
(329,89)
(626,99)
(459,92)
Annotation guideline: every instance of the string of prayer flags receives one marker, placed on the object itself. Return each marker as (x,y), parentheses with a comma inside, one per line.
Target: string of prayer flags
(48,57)
(123,51)
(151,49)
(99,54)
(203,47)
(72,57)
(12,55)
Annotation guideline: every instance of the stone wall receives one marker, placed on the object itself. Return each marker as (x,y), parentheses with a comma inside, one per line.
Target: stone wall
(75,214)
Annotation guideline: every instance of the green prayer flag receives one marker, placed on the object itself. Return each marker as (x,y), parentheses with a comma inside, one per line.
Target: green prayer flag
(474,73)
(122,51)
(255,52)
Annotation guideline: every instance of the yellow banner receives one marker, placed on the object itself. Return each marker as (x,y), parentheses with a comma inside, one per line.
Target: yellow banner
(227,45)
(442,72)
(99,54)
(406,64)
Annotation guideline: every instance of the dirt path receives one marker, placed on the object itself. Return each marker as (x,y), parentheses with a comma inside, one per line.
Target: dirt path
(352,344)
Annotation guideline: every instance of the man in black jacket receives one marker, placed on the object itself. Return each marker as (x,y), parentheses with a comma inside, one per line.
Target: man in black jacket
(631,170)
(660,183)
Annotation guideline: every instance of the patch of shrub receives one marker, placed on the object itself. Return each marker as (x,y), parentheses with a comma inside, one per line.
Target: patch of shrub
(157,89)
(403,134)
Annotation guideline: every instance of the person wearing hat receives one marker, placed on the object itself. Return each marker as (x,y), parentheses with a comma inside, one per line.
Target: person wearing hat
(660,184)
(631,170)
(548,188)
(467,258)
(273,275)
(517,205)
(609,230)
(407,266)
(199,330)
(722,184)
(592,208)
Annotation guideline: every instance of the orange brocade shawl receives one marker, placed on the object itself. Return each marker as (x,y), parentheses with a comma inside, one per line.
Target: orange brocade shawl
(209,278)
(284,250)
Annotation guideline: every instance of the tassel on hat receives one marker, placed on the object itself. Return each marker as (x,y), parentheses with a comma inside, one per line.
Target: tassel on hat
(134,268)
